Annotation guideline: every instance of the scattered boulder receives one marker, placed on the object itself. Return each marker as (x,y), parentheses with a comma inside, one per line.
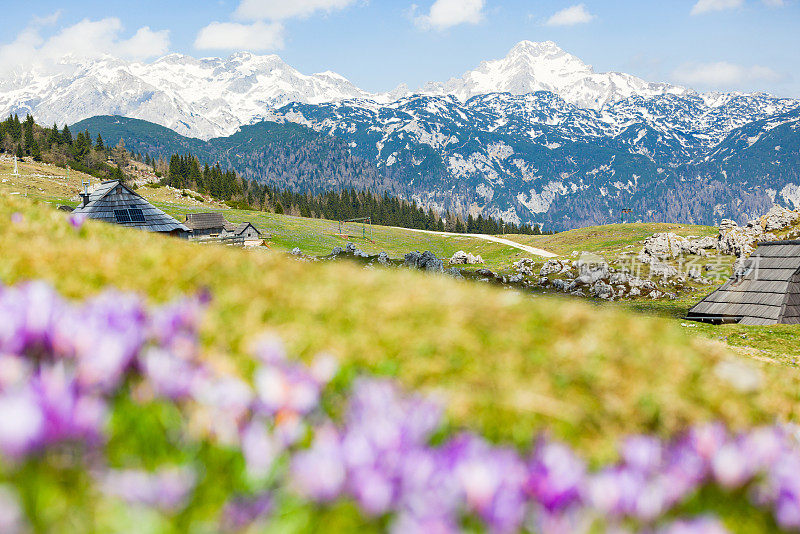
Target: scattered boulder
(662,270)
(555,267)
(383,258)
(664,245)
(455,273)
(425,261)
(296,252)
(337,251)
(465,258)
(602,290)
(591,268)
(351,248)
(524,266)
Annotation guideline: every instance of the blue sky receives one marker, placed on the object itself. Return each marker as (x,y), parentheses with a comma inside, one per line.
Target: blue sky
(749,45)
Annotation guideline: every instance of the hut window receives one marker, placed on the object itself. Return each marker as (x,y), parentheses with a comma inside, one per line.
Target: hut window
(122,216)
(136,215)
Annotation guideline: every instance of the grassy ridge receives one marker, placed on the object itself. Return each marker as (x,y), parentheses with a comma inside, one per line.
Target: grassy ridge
(507,365)
(609,238)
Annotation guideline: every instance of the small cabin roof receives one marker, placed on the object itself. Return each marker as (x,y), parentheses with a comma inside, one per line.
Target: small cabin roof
(116,203)
(207,221)
(766,291)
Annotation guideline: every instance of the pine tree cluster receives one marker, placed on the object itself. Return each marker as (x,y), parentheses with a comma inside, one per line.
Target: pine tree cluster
(57,146)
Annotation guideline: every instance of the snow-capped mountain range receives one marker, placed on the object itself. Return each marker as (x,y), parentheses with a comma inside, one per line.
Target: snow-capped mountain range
(213,97)
(537,136)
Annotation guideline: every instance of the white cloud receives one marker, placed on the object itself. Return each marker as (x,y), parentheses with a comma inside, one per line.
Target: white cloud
(286,9)
(775,3)
(448,13)
(724,75)
(47,20)
(256,37)
(707,6)
(86,39)
(571,16)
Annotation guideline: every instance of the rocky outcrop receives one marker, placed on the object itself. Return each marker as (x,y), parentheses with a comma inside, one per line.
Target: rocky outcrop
(465,258)
(778,218)
(669,245)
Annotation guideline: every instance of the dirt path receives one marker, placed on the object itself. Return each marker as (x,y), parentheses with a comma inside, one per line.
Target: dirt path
(530,250)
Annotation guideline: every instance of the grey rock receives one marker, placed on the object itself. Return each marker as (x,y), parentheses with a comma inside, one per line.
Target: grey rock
(465,258)
(296,252)
(426,261)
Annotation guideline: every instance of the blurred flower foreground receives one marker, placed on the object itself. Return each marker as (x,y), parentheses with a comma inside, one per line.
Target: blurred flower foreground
(110,413)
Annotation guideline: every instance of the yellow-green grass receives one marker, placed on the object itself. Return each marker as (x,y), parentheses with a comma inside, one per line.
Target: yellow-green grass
(505,364)
(609,238)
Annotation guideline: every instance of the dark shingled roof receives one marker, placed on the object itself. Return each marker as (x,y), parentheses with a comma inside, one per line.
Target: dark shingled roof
(206,221)
(766,292)
(111,196)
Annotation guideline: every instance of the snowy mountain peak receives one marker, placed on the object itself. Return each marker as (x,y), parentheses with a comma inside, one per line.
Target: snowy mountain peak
(531,67)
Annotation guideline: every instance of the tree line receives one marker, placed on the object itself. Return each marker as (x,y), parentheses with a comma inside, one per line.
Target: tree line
(185,171)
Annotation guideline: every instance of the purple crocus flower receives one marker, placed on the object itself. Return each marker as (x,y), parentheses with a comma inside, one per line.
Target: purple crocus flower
(167,489)
(642,453)
(241,512)
(260,449)
(319,473)
(22,423)
(76,220)
(555,476)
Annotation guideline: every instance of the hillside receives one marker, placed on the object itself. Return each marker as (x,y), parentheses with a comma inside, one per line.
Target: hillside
(505,366)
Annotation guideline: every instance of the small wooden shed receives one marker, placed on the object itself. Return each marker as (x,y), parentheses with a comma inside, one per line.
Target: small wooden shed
(246,231)
(116,203)
(765,291)
(212,224)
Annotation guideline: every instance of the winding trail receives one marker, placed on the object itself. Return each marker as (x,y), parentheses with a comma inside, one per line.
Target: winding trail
(531,250)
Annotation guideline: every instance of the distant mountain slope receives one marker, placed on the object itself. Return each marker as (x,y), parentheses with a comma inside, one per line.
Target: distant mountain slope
(285,155)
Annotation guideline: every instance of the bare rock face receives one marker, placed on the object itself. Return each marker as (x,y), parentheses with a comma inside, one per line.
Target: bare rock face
(465,258)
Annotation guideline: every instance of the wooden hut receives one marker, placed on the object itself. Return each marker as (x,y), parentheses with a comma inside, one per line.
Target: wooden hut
(211,224)
(114,202)
(245,230)
(765,291)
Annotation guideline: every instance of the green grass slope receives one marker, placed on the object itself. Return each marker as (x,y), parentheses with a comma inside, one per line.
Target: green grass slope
(609,238)
(506,364)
